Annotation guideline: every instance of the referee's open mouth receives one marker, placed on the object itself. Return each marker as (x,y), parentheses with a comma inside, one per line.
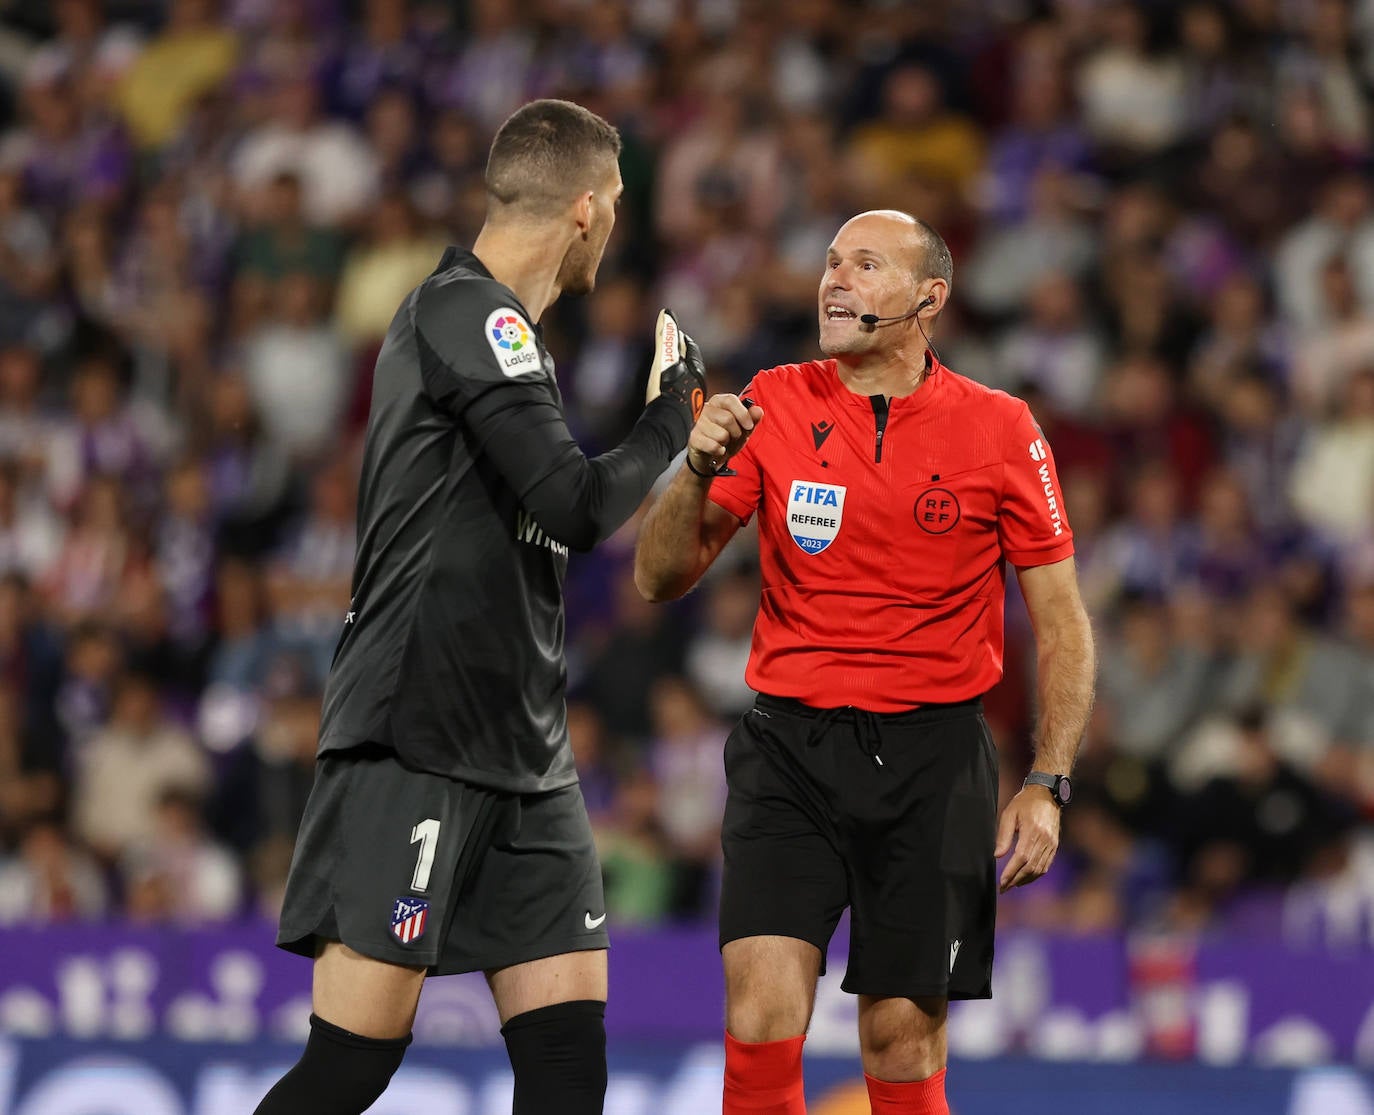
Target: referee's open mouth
(834,311)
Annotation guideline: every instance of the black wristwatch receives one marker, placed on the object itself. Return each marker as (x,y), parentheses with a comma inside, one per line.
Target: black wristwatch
(1059,786)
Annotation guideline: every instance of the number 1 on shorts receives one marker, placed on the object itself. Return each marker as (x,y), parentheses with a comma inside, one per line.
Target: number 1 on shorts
(427,833)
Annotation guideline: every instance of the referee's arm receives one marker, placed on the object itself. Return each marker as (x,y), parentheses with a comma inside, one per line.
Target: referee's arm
(1066,668)
(684,530)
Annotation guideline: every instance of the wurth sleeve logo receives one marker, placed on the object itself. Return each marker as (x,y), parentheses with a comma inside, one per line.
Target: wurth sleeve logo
(1039,453)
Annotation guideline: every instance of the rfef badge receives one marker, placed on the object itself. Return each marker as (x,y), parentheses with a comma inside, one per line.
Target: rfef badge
(814,513)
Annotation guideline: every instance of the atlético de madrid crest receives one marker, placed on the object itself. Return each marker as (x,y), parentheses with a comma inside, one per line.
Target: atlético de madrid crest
(814,513)
(408,917)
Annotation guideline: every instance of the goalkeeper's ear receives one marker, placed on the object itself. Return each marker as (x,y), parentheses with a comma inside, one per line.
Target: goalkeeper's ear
(668,350)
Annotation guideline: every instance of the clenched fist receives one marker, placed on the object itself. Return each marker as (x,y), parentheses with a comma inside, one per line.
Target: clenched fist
(725,424)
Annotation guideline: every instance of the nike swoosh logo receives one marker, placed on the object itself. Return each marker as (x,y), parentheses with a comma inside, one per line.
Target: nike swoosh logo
(593,923)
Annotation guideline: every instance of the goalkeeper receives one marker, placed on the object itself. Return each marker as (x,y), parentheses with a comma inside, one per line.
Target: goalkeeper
(446,831)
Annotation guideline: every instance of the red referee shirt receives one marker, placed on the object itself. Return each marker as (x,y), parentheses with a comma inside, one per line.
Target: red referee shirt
(883,529)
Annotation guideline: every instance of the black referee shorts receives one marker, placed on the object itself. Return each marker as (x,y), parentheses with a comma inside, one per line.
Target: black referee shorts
(430,872)
(892,815)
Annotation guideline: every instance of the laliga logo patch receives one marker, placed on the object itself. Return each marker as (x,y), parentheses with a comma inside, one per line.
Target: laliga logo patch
(512,343)
(814,512)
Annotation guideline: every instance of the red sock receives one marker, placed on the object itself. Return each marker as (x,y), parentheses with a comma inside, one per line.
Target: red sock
(764,1077)
(919,1097)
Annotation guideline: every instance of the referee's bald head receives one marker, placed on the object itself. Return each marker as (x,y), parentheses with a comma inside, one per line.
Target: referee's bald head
(927,251)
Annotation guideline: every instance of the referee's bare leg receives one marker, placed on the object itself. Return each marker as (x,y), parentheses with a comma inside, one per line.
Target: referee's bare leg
(770,992)
(904,1054)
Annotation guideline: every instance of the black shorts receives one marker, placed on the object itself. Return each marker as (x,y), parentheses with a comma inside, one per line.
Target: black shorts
(892,815)
(422,870)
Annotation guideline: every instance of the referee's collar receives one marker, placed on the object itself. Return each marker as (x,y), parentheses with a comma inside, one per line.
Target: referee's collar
(931,383)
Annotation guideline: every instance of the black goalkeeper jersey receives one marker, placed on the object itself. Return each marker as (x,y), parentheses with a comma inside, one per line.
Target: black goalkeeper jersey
(472,493)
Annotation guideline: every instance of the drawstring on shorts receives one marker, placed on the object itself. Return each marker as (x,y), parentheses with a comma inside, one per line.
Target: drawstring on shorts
(865,724)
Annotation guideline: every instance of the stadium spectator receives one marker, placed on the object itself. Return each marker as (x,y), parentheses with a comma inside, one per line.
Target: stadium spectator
(249,471)
(1153,684)
(684,757)
(381,53)
(86,46)
(178,874)
(718,653)
(296,366)
(50,879)
(68,157)
(28,266)
(1315,688)
(123,771)
(641,647)
(916,136)
(596,766)
(381,269)
(1052,237)
(185,554)
(640,880)
(191,55)
(1333,478)
(283,768)
(338,171)
(1043,138)
(1341,223)
(494,71)
(309,586)
(1133,98)
(96,558)
(1345,346)
(30,533)
(278,241)
(1055,350)
(610,358)
(721,155)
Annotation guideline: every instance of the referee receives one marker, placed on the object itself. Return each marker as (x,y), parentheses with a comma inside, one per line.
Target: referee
(889,492)
(445,831)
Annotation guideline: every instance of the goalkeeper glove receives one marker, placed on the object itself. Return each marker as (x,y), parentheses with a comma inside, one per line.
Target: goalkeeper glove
(678,370)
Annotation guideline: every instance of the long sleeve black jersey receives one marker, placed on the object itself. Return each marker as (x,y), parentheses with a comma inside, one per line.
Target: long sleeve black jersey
(473,491)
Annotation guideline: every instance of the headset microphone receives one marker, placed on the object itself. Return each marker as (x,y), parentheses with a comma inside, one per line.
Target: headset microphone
(869,322)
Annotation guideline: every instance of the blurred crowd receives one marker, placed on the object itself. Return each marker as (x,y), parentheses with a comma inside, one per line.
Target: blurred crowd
(1162,221)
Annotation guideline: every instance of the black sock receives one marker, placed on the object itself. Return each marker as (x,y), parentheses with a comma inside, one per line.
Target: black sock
(559,1057)
(338,1074)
